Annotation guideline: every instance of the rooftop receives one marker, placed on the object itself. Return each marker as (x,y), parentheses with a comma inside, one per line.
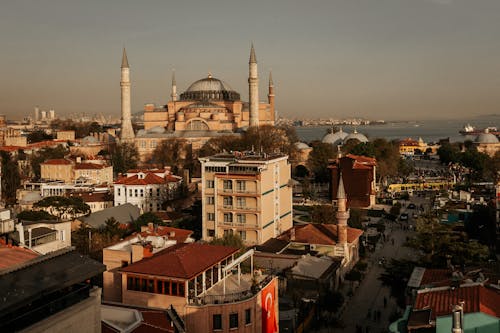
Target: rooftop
(182,260)
(13,255)
(323,234)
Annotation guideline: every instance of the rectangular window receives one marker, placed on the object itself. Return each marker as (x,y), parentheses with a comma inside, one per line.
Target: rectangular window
(241,202)
(137,284)
(233,320)
(151,286)
(130,283)
(227,184)
(144,285)
(62,236)
(217,321)
(159,287)
(210,184)
(248,316)
(181,289)
(241,185)
(243,234)
(211,216)
(228,201)
(130,192)
(241,218)
(228,217)
(142,192)
(211,232)
(166,287)
(174,288)
(119,191)
(210,200)
(135,192)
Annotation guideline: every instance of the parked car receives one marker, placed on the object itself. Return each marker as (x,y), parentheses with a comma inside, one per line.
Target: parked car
(403,217)
(412,206)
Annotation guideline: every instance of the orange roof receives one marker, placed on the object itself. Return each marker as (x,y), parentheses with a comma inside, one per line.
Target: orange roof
(13,255)
(92,196)
(183,261)
(58,161)
(150,178)
(179,235)
(436,277)
(324,234)
(86,166)
(362,159)
(10,148)
(477,298)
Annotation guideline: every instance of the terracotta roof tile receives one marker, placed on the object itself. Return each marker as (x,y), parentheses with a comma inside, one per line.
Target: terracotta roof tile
(13,255)
(85,166)
(58,161)
(476,298)
(182,260)
(150,178)
(325,234)
(436,277)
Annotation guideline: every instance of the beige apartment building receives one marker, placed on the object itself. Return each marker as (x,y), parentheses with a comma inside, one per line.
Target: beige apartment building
(246,194)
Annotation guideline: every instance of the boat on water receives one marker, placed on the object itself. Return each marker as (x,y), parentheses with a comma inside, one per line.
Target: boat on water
(471,130)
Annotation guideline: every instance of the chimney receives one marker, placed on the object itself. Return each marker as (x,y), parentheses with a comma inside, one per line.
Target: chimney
(457,318)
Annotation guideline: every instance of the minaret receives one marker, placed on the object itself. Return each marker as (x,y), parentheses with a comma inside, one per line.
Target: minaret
(174,88)
(270,95)
(127,132)
(342,213)
(253,89)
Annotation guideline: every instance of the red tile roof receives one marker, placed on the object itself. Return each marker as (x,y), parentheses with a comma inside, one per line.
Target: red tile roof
(179,235)
(183,261)
(476,298)
(86,166)
(13,255)
(150,178)
(362,159)
(436,277)
(324,234)
(92,196)
(58,161)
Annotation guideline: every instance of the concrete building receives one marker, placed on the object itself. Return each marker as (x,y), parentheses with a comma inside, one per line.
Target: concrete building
(71,172)
(51,293)
(147,189)
(204,284)
(246,194)
(43,236)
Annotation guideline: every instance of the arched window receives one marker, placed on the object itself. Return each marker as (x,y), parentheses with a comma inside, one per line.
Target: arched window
(197,125)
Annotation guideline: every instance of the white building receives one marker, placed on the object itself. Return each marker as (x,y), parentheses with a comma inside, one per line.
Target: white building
(146,189)
(44,236)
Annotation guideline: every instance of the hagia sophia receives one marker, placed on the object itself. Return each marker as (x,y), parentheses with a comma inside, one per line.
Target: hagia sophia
(208,108)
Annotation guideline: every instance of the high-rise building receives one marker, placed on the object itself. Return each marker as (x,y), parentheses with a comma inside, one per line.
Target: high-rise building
(249,195)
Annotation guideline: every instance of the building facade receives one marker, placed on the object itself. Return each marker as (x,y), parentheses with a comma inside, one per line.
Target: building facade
(249,195)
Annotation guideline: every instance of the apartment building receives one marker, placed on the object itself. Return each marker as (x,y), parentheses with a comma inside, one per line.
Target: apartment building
(246,194)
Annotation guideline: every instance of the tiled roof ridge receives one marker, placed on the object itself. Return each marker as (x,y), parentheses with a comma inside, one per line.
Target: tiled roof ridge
(37,260)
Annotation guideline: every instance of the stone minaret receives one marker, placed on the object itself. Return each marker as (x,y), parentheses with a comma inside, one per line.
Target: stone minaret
(173,95)
(342,213)
(127,130)
(270,95)
(253,89)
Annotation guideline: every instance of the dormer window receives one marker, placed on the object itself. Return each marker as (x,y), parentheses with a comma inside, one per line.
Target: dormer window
(141,175)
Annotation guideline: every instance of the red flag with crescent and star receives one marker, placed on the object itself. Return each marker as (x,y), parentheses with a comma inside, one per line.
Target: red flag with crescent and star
(269,324)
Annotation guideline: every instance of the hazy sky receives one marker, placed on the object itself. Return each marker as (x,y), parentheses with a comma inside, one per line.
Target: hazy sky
(378,59)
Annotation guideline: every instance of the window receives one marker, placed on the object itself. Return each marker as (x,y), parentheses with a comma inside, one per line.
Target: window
(130,192)
(210,200)
(241,218)
(119,192)
(241,185)
(227,184)
(159,287)
(248,316)
(135,192)
(62,236)
(228,201)
(181,288)
(228,217)
(233,320)
(130,283)
(217,321)
(241,202)
(211,216)
(142,192)
(210,184)
(243,234)
(211,232)
(157,192)
(150,192)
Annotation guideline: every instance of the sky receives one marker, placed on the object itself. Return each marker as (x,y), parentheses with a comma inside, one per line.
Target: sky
(375,59)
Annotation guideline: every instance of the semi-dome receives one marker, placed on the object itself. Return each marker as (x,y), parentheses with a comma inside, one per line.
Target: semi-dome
(301,145)
(356,136)
(335,138)
(210,88)
(486,138)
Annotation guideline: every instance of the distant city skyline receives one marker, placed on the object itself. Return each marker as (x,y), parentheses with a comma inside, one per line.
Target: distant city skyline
(385,59)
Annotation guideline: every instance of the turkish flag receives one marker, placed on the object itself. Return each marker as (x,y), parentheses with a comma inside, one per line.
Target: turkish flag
(269,300)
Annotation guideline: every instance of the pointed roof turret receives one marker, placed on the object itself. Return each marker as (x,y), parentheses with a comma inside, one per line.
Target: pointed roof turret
(341,189)
(253,58)
(124,59)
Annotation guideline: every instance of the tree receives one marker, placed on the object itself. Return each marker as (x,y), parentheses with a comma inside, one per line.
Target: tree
(125,157)
(173,152)
(144,219)
(64,206)
(323,214)
(35,215)
(318,160)
(230,239)
(38,136)
(364,149)
(448,153)
(10,178)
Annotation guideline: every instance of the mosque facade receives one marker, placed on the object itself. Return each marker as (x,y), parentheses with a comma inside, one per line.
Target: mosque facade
(208,108)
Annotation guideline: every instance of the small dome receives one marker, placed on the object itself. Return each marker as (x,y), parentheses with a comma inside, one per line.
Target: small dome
(301,145)
(334,138)
(88,140)
(156,130)
(486,138)
(357,136)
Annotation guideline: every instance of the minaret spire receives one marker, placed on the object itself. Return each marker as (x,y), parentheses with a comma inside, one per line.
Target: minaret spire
(342,212)
(270,97)
(174,87)
(253,89)
(127,132)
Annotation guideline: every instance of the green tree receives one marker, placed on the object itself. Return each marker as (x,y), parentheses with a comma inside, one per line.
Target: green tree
(230,239)
(144,219)
(125,157)
(323,214)
(10,178)
(318,160)
(175,153)
(35,215)
(364,149)
(38,136)
(449,153)
(60,206)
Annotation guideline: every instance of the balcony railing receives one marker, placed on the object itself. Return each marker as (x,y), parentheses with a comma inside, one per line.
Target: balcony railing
(237,207)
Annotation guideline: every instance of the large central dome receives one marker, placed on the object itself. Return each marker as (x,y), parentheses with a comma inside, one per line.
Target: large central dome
(210,88)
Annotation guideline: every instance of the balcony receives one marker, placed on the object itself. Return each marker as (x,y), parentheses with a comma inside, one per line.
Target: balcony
(237,207)
(239,225)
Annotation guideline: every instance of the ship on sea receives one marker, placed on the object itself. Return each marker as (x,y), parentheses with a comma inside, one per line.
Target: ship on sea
(471,130)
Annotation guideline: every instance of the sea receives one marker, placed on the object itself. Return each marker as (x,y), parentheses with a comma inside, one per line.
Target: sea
(428,130)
